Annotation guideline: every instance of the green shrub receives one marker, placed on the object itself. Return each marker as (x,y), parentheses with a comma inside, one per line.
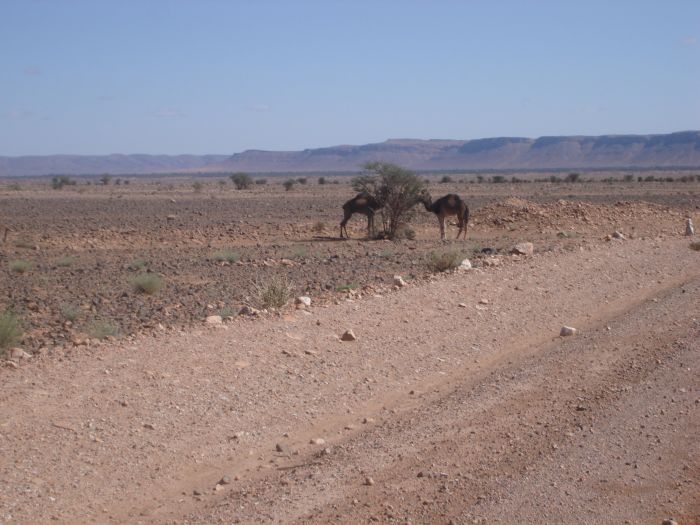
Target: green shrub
(226,312)
(102,330)
(225,256)
(148,283)
(65,262)
(70,312)
(444,261)
(274,293)
(20,266)
(346,287)
(10,330)
(289,184)
(138,264)
(242,181)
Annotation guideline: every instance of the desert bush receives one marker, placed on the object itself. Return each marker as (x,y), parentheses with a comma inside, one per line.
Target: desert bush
(498,179)
(346,287)
(226,312)
(138,264)
(197,186)
(695,246)
(289,184)
(405,232)
(70,312)
(446,179)
(148,283)
(573,177)
(322,180)
(319,226)
(20,266)
(260,182)
(10,330)
(14,187)
(104,179)
(65,262)
(302,180)
(273,293)
(628,178)
(242,181)
(443,261)
(57,183)
(225,256)
(102,330)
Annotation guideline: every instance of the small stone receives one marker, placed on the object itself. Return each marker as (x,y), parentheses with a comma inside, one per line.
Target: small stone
(171,217)
(214,319)
(248,310)
(670,521)
(462,305)
(369,481)
(148,426)
(349,335)
(398,281)
(523,248)
(318,441)
(326,451)
(18,353)
(368,420)
(483,301)
(618,235)
(567,331)
(279,447)
(689,229)
(80,340)
(196,492)
(303,300)
(492,261)
(225,480)
(466,264)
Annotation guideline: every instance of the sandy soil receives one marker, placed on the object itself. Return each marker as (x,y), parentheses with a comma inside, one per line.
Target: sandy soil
(457,403)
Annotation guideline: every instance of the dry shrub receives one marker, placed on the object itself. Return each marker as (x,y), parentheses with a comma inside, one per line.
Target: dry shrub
(147,283)
(444,261)
(274,292)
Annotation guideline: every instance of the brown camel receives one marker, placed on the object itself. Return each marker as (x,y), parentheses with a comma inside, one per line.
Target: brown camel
(364,204)
(446,206)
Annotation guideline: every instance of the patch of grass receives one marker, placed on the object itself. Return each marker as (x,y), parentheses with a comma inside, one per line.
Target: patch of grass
(139,264)
(24,243)
(444,261)
(10,330)
(65,262)
(20,266)
(385,254)
(299,252)
(226,312)
(102,330)
(695,246)
(148,283)
(346,287)
(273,293)
(70,312)
(405,232)
(225,256)
(319,226)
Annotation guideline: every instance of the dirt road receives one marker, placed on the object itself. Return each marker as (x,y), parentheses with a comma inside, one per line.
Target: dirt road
(458,403)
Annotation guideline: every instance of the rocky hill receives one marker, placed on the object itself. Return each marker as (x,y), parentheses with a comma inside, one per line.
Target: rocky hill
(681,149)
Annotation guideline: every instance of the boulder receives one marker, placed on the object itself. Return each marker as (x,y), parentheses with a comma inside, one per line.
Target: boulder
(214,319)
(398,281)
(349,335)
(303,300)
(523,248)
(567,331)
(466,264)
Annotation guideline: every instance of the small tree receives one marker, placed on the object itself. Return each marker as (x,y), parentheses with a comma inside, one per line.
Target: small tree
(322,180)
(573,177)
(289,184)
(397,188)
(57,183)
(242,181)
(104,179)
(446,179)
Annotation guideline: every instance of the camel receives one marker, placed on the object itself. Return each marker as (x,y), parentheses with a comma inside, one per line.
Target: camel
(364,204)
(450,204)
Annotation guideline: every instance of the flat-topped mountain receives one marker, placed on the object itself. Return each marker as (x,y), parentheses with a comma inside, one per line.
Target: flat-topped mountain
(681,149)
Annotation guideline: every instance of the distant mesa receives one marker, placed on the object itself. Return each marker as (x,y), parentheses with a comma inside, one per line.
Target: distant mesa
(673,150)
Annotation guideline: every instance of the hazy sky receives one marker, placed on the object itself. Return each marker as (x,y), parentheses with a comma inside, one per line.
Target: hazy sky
(168,76)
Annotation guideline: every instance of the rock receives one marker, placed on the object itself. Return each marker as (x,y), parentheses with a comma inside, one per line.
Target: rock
(171,217)
(619,236)
(148,426)
(462,305)
(670,521)
(689,230)
(369,481)
(214,319)
(318,441)
(466,264)
(196,492)
(80,339)
(280,448)
(483,301)
(368,420)
(225,480)
(18,353)
(492,261)
(303,299)
(398,281)
(523,248)
(248,310)
(10,364)
(349,335)
(567,331)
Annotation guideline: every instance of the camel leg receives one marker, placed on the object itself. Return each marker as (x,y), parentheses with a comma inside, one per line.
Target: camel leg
(370,225)
(441,220)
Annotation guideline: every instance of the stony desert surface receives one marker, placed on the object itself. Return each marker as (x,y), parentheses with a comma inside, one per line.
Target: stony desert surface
(458,401)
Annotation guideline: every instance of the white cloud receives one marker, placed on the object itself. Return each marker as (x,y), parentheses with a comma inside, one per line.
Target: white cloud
(689,41)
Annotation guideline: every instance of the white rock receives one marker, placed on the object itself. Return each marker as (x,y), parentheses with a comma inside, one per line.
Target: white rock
(318,441)
(214,319)
(18,353)
(567,331)
(523,248)
(466,264)
(398,281)
(689,230)
(303,299)
(618,235)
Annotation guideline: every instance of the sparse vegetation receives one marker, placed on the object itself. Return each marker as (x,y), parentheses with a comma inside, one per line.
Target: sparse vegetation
(20,266)
(57,183)
(444,261)
(225,256)
(573,177)
(498,179)
(70,312)
(226,312)
(104,179)
(405,232)
(260,182)
(346,287)
(322,180)
(446,179)
(319,227)
(24,244)
(302,180)
(273,293)
(147,283)
(138,264)
(289,184)
(102,330)
(10,330)
(197,186)
(65,262)
(242,181)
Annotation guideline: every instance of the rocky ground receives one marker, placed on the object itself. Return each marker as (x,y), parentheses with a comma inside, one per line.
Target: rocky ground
(458,401)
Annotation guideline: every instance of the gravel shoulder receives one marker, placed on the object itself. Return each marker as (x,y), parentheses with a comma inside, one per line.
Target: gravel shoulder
(503,420)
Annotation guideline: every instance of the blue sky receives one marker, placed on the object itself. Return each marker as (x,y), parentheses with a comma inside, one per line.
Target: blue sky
(149,76)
